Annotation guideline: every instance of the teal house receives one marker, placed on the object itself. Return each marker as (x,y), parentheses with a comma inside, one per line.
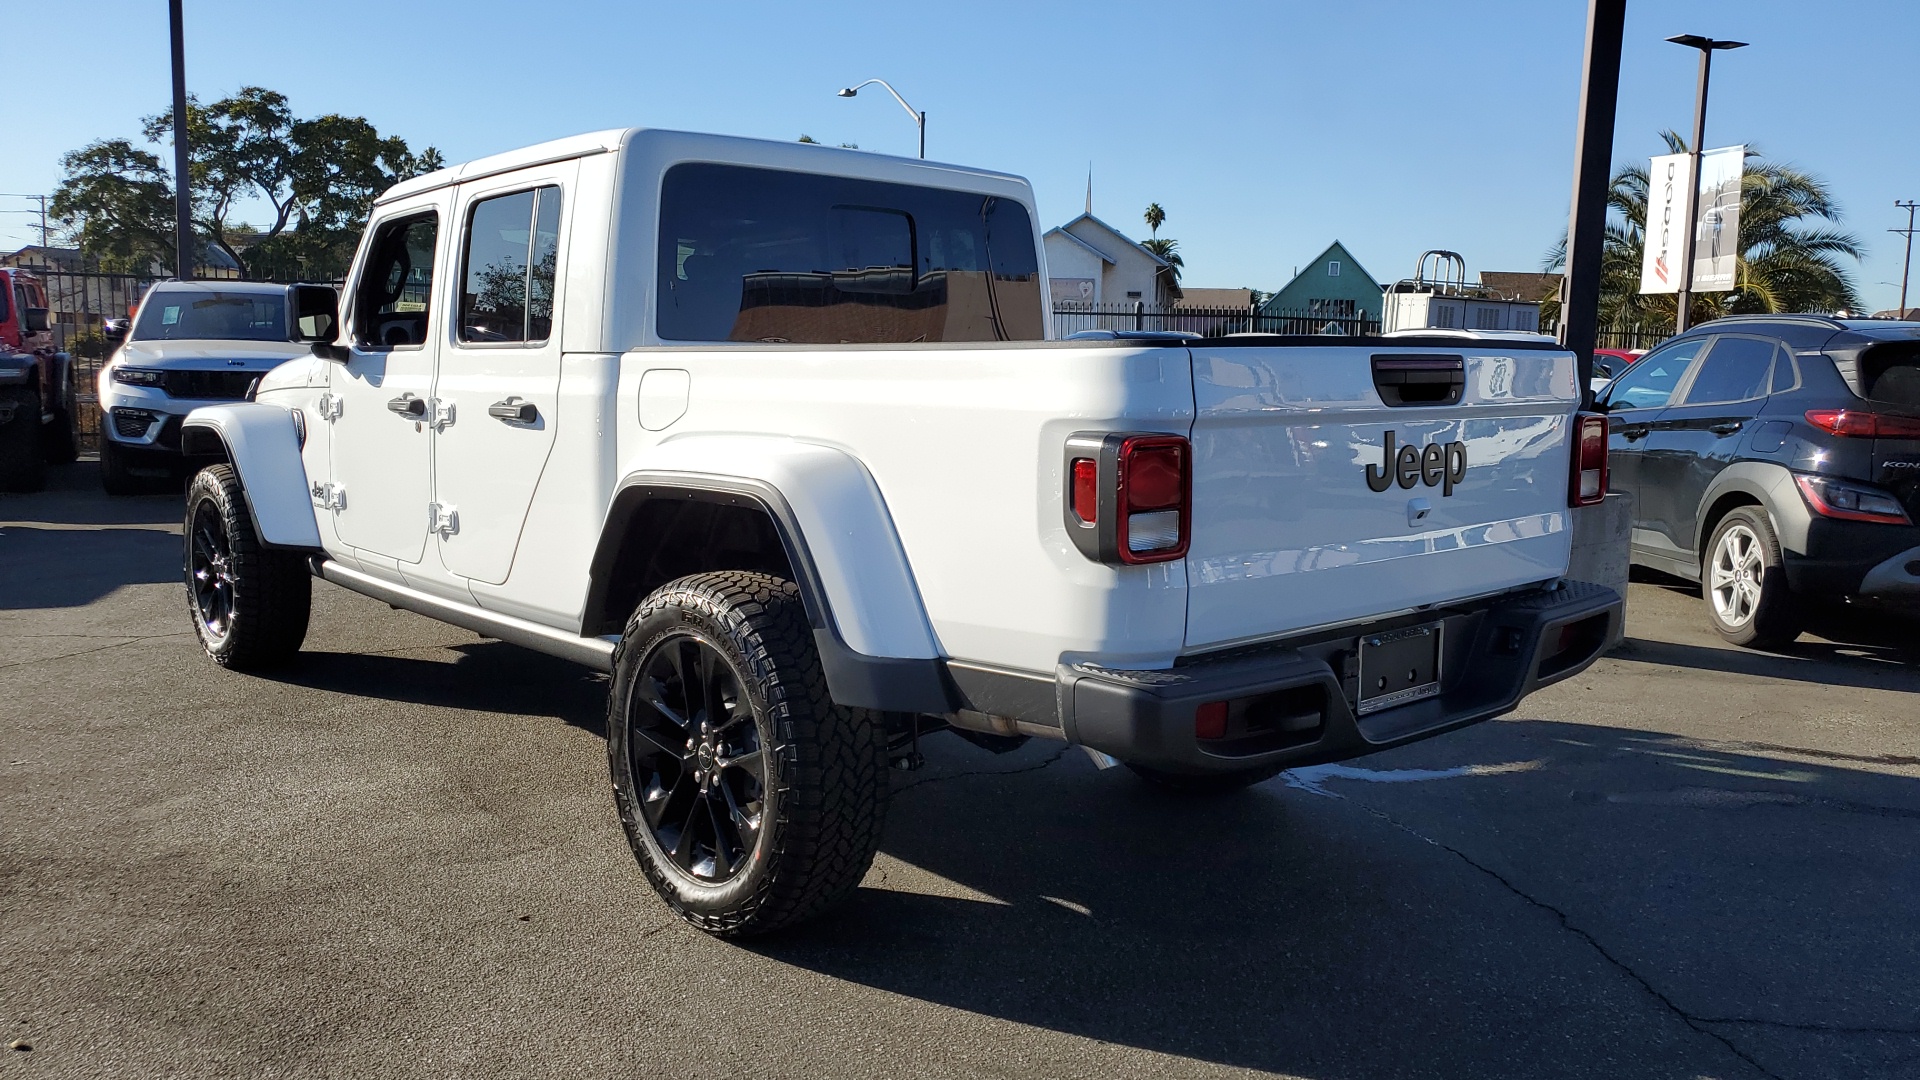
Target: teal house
(1333,285)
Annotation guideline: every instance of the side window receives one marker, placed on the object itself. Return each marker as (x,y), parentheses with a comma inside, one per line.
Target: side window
(1785,377)
(390,307)
(751,254)
(1651,382)
(508,266)
(1736,369)
(5,308)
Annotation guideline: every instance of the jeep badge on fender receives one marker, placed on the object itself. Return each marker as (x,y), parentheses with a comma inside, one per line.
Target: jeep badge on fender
(1439,463)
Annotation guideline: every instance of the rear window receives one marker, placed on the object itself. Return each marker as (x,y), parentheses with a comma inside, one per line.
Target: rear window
(169,314)
(750,254)
(1891,374)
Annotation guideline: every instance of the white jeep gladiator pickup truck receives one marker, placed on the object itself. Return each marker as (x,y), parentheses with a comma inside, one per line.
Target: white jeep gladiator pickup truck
(777,436)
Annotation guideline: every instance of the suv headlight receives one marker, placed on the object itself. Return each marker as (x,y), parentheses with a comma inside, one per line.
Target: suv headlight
(133,376)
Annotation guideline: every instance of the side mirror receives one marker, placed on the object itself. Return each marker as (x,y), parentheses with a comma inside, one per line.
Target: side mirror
(316,319)
(115,330)
(35,320)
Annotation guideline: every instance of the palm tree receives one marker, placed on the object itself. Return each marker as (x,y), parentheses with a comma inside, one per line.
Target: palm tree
(1783,265)
(1155,218)
(1169,252)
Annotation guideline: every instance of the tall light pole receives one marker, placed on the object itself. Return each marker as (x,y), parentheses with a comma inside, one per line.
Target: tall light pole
(182,191)
(1707,46)
(919,118)
(1592,160)
(1907,266)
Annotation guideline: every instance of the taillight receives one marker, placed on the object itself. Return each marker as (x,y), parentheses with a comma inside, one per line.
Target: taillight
(1129,497)
(1589,482)
(1210,721)
(1849,501)
(1155,486)
(1086,492)
(1864,425)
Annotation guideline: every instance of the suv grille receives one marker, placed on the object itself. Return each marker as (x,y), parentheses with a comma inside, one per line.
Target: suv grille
(224,385)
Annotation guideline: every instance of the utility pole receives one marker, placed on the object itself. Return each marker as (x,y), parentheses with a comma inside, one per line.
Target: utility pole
(182,186)
(1906,266)
(1592,161)
(1683,312)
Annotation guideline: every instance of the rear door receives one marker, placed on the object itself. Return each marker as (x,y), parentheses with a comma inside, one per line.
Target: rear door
(496,395)
(1633,401)
(1307,512)
(1890,380)
(1699,434)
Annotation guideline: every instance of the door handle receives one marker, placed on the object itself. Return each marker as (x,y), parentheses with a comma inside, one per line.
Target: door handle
(409,406)
(1727,428)
(1636,431)
(514,411)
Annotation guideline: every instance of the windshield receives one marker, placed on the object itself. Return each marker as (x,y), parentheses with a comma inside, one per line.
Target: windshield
(168,315)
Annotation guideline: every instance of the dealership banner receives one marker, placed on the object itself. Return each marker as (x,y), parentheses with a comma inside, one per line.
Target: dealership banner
(1716,243)
(1665,247)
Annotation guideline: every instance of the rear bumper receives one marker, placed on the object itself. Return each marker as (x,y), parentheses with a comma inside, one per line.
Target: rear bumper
(1493,655)
(1856,560)
(1895,582)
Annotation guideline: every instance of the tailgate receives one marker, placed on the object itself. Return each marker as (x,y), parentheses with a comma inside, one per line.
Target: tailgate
(1300,519)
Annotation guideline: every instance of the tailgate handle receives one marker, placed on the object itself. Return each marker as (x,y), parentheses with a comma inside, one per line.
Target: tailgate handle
(1408,379)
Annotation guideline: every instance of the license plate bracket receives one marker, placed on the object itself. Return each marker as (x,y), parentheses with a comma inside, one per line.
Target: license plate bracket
(1398,667)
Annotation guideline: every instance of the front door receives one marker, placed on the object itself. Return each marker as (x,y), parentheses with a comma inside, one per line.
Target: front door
(1633,401)
(498,386)
(381,395)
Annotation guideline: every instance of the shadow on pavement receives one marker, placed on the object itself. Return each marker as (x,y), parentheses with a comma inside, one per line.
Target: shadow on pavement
(58,568)
(1804,661)
(1851,632)
(73,497)
(1283,931)
(488,676)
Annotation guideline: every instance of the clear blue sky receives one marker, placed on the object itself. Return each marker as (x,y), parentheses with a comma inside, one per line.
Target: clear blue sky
(1266,130)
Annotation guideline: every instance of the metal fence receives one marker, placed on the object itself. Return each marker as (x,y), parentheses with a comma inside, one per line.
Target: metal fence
(1070,318)
(1635,338)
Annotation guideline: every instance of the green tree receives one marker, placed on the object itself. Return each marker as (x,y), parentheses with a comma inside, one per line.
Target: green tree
(318,177)
(1790,256)
(1155,218)
(1169,252)
(116,204)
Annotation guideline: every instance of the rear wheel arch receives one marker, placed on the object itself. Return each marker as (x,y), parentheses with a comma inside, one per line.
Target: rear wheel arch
(1764,484)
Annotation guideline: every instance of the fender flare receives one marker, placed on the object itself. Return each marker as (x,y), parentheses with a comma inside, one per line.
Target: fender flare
(263,446)
(876,644)
(1769,484)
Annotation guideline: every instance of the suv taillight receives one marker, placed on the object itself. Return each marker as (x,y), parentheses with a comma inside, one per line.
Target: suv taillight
(1589,482)
(1129,497)
(1864,425)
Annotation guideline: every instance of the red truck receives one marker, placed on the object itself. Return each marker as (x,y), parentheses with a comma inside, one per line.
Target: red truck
(36,387)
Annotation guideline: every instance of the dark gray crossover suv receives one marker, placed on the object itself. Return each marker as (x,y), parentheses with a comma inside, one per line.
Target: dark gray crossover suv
(1775,460)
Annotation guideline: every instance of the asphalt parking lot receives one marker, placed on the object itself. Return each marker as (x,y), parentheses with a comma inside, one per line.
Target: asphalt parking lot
(399,858)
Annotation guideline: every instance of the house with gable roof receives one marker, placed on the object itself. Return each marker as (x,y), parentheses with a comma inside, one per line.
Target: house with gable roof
(1333,285)
(1091,262)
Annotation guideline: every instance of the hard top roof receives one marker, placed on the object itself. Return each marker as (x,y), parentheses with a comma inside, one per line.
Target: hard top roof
(218,286)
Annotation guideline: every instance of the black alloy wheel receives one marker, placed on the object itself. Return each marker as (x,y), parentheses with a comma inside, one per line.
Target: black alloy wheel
(210,571)
(696,758)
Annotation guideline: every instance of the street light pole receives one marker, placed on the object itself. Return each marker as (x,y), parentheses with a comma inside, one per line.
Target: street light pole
(1907,266)
(1683,311)
(919,117)
(182,190)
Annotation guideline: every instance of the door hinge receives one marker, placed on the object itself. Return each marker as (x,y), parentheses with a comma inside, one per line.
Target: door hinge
(442,415)
(329,496)
(330,406)
(444,520)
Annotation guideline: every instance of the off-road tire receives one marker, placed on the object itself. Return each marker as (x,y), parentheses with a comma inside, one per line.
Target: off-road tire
(1778,616)
(825,783)
(60,440)
(115,477)
(269,592)
(1205,784)
(23,462)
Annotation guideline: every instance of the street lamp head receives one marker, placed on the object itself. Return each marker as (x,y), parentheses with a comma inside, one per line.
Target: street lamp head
(1696,41)
(848,92)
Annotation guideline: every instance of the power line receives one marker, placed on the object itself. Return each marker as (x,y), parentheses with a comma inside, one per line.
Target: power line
(1906,266)
(44,234)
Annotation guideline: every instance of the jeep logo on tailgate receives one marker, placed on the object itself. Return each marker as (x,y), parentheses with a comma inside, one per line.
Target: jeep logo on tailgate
(1439,464)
